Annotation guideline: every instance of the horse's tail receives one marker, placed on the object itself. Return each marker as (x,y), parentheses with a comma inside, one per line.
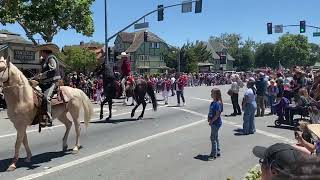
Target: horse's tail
(150,92)
(87,107)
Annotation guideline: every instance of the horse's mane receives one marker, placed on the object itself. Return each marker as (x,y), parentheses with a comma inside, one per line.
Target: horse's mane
(19,74)
(106,72)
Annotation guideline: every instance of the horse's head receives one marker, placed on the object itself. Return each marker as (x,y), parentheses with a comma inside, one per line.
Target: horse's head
(4,69)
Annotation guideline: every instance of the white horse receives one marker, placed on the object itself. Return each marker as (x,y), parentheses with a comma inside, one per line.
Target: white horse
(22,110)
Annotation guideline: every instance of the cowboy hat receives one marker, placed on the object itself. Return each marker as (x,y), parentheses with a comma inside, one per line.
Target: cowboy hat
(123,54)
(315,129)
(48,47)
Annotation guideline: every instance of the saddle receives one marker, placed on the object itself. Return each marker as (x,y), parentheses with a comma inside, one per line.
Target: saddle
(60,96)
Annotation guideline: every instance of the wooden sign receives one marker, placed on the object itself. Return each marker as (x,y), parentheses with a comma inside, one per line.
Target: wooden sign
(22,55)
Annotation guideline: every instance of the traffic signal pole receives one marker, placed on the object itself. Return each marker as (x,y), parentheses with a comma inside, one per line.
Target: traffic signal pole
(297,25)
(144,16)
(106,60)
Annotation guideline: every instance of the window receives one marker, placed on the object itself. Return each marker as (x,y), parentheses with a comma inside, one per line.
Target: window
(143,57)
(155,45)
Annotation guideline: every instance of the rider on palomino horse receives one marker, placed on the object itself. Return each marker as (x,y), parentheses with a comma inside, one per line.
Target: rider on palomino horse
(48,78)
(125,70)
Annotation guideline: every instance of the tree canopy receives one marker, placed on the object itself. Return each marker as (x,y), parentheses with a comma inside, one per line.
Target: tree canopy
(79,59)
(48,17)
(293,50)
(264,56)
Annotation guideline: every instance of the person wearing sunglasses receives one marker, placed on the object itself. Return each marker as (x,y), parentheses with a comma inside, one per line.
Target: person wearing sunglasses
(276,159)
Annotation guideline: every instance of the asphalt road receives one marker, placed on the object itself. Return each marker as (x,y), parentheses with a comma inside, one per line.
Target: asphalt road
(171,143)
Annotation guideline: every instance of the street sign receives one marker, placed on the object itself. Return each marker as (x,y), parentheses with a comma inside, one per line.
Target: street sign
(141,25)
(316,34)
(278,28)
(186,6)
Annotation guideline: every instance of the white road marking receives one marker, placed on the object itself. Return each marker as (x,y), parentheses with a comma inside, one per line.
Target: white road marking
(208,100)
(281,138)
(104,153)
(61,125)
(130,144)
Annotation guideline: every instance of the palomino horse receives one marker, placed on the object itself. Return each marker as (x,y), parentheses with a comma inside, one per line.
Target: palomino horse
(22,110)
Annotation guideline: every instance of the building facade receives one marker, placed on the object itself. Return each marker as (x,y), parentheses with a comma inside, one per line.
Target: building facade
(146,51)
(22,53)
(220,59)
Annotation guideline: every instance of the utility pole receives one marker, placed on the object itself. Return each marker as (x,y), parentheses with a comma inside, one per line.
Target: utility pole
(179,57)
(106,56)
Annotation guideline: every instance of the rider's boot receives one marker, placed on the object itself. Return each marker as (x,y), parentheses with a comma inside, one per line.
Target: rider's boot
(49,119)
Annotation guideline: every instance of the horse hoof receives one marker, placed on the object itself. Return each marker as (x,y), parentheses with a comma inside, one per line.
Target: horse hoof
(75,150)
(65,148)
(132,114)
(140,117)
(108,118)
(101,116)
(27,160)
(12,167)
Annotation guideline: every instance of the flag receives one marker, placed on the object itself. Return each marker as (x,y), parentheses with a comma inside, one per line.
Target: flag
(280,68)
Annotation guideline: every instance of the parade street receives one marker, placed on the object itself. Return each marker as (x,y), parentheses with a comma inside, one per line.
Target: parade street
(171,143)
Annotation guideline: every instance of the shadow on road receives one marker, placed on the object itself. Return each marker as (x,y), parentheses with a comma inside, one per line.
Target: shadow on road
(283,127)
(36,160)
(117,121)
(202,157)
(173,106)
(239,132)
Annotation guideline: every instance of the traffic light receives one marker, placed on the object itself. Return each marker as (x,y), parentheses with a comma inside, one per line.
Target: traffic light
(145,36)
(160,13)
(269,28)
(198,6)
(302,26)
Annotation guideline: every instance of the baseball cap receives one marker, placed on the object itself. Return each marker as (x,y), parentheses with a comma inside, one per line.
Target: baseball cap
(279,155)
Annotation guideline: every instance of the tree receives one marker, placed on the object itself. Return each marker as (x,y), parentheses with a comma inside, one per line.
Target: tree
(48,17)
(192,54)
(171,57)
(231,41)
(80,59)
(188,61)
(4,30)
(315,53)
(245,58)
(292,50)
(201,52)
(264,56)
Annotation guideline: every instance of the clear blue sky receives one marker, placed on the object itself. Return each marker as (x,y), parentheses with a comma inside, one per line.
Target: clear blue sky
(246,17)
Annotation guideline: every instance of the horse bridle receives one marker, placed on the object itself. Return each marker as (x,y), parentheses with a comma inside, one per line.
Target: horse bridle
(6,69)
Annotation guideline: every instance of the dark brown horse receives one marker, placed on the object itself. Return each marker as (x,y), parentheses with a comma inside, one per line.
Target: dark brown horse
(112,90)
